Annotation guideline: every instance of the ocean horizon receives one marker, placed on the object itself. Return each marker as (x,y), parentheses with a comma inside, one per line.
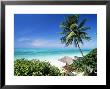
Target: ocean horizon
(47,53)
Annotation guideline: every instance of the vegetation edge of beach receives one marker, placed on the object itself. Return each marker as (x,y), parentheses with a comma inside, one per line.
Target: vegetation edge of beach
(25,67)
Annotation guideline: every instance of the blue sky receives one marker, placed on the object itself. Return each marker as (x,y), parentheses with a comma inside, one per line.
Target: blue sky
(43,30)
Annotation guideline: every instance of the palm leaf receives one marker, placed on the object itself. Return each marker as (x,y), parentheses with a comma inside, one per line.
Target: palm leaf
(71,34)
(63,39)
(75,42)
(73,26)
(84,28)
(82,23)
(63,26)
(88,38)
(73,18)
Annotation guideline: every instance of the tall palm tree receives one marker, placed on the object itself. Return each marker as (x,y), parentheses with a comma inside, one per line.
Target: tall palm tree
(74,31)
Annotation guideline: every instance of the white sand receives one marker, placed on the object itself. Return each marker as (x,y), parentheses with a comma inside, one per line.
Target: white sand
(57,63)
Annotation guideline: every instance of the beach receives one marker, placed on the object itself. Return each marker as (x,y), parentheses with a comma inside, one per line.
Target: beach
(51,55)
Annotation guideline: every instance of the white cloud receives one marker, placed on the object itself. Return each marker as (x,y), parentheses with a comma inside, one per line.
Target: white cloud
(45,43)
(29,42)
(34,43)
(23,39)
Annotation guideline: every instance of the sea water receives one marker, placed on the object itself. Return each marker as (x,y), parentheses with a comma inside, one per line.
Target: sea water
(47,53)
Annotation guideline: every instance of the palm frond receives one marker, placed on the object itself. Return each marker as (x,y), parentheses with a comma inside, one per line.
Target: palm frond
(69,42)
(75,43)
(63,39)
(82,23)
(64,26)
(73,26)
(69,36)
(81,33)
(73,19)
(80,41)
(84,28)
(88,38)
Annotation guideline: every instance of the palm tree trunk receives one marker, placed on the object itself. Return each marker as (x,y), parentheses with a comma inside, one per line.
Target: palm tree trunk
(80,49)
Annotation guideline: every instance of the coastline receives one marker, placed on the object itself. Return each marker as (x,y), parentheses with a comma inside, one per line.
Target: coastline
(48,55)
(55,63)
(62,64)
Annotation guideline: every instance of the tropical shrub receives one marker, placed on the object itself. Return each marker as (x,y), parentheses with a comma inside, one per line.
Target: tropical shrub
(23,67)
(91,59)
(88,64)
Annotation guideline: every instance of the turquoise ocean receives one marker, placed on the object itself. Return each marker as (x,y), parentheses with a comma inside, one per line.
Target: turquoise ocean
(47,53)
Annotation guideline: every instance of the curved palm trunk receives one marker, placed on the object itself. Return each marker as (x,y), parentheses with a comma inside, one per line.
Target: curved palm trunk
(80,49)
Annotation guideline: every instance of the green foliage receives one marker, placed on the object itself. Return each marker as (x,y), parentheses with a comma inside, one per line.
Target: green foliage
(87,64)
(91,59)
(74,30)
(23,67)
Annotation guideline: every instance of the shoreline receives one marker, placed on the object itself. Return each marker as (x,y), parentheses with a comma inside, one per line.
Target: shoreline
(59,65)
(55,63)
(47,54)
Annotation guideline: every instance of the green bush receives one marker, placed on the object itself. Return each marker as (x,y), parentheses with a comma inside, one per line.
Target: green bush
(23,67)
(88,64)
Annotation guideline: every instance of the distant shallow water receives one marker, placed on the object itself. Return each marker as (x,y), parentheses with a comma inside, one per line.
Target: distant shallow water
(47,53)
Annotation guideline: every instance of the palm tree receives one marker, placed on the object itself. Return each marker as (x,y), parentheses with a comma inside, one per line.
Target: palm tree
(74,31)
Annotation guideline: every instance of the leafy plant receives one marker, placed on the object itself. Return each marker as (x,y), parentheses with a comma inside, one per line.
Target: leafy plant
(88,64)
(23,67)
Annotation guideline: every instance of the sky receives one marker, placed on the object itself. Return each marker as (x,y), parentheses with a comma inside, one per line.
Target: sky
(43,30)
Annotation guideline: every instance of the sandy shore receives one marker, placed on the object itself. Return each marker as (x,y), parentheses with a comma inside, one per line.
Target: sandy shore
(57,63)
(61,64)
